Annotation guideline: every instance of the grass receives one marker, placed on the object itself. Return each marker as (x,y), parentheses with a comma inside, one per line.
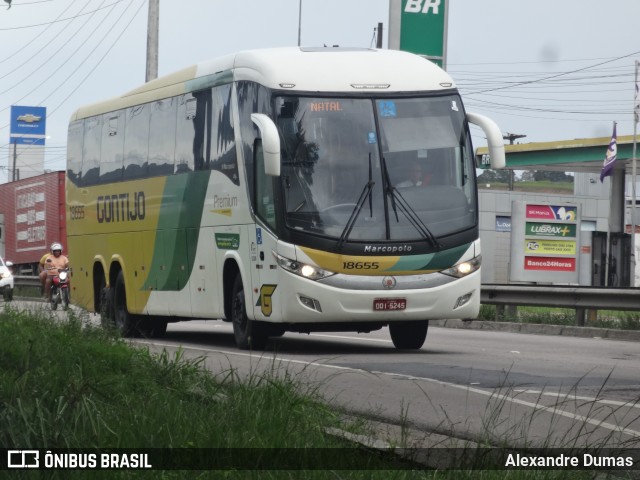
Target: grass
(537,186)
(618,320)
(68,384)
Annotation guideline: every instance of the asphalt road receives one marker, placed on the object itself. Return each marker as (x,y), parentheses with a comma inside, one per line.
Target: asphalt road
(466,384)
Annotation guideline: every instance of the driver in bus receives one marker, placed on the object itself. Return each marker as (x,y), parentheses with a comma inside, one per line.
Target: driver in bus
(415,177)
(51,265)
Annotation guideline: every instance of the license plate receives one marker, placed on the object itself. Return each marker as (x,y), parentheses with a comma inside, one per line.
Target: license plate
(382,304)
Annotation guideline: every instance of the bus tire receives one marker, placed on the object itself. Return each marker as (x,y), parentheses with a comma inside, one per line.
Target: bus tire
(409,335)
(152,327)
(124,321)
(248,334)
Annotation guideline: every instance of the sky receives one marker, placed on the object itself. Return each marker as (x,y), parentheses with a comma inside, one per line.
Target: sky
(549,69)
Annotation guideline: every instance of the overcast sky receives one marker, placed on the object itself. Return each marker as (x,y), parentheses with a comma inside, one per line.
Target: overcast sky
(549,69)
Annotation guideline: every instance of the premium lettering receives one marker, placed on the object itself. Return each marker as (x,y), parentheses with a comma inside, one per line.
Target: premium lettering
(224,201)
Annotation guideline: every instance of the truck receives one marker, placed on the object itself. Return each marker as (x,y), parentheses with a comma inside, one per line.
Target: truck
(32,216)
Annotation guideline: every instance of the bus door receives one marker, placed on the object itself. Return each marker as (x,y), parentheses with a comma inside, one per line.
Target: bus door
(264,274)
(202,281)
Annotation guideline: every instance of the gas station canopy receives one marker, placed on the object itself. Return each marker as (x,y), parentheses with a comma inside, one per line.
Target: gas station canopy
(580,155)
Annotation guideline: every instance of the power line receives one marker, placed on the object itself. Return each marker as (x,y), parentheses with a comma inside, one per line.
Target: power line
(60,20)
(39,36)
(560,74)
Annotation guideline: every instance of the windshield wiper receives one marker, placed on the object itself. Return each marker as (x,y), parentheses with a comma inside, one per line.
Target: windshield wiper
(366,192)
(399,202)
(389,188)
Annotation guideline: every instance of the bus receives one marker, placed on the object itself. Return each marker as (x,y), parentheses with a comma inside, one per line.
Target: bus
(270,189)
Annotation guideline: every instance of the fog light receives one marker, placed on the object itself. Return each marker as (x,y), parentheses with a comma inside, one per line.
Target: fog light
(310,303)
(463,300)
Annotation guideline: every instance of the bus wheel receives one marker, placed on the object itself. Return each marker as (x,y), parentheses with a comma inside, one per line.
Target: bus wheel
(125,322)
(152,327)
(248,334)
(105,305)
(409,335)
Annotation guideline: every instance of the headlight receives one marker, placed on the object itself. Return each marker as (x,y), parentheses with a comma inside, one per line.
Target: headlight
(465,268)
(5,274)
(302,269)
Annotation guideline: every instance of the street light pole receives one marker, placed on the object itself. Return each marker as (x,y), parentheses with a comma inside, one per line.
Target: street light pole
(511,137)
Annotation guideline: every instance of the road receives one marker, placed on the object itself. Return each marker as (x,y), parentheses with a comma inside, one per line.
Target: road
(473,385)
(469,385)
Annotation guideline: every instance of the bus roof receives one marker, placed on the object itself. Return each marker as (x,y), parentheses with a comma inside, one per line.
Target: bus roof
(325,69)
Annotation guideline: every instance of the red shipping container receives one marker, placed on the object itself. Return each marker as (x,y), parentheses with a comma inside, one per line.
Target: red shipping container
(34,217)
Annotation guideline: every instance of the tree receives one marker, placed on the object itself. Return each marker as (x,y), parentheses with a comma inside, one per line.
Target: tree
(527,176)
(552,176)
(488,176)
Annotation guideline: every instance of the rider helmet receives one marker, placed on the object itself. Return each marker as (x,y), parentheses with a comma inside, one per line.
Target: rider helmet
(56,246)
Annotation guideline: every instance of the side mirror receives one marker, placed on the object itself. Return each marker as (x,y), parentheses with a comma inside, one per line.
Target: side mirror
(270,143)
(494,139)
(8,264)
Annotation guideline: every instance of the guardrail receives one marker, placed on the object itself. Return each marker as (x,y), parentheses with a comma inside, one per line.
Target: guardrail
(504,295)
(26,281)
(579,298)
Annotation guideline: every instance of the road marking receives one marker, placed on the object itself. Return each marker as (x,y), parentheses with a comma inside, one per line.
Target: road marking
(568,396)
(346,337)
(468,389)
(535,406)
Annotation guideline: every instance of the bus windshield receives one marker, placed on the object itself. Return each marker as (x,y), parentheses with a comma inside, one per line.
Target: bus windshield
(387,169)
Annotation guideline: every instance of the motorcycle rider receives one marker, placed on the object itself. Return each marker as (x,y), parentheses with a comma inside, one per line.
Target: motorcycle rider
(52,263)
(42,273)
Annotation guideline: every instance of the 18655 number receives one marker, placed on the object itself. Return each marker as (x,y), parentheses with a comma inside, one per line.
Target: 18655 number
(360,265)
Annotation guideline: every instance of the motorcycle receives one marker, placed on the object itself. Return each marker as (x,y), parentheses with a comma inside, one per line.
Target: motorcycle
(60,289)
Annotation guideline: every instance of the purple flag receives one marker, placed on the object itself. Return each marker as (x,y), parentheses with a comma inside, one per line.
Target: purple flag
(610,158)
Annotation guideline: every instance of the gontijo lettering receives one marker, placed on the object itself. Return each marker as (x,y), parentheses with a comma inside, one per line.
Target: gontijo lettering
(121,207)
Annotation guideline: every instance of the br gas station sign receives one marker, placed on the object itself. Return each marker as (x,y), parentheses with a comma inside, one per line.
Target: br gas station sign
(420,27)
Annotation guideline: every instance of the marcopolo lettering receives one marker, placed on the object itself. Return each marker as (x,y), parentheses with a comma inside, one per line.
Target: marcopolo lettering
(121,207)
(387,248)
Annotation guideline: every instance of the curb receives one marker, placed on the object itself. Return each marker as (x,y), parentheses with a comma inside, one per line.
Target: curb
(540,329)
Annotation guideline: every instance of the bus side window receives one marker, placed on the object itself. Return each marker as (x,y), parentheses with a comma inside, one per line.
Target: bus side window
(136,142)
(202,116)
(112,147)
(91,151)
(223,149)
(162,137)
(265,207)
(74,151)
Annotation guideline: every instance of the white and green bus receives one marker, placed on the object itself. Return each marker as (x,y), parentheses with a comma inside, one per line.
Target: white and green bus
(270,189)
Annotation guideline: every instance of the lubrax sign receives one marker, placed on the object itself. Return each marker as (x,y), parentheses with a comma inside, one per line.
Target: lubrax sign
(544,242)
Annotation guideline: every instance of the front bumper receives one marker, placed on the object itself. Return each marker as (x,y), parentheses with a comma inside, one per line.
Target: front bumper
(307,301)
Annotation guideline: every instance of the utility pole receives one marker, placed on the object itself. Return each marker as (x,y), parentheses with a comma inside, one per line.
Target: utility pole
(153,27)
(379,38)
(299,22)
(511,137)
(15,161)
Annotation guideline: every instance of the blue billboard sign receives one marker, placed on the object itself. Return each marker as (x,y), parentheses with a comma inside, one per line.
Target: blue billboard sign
(28,125)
